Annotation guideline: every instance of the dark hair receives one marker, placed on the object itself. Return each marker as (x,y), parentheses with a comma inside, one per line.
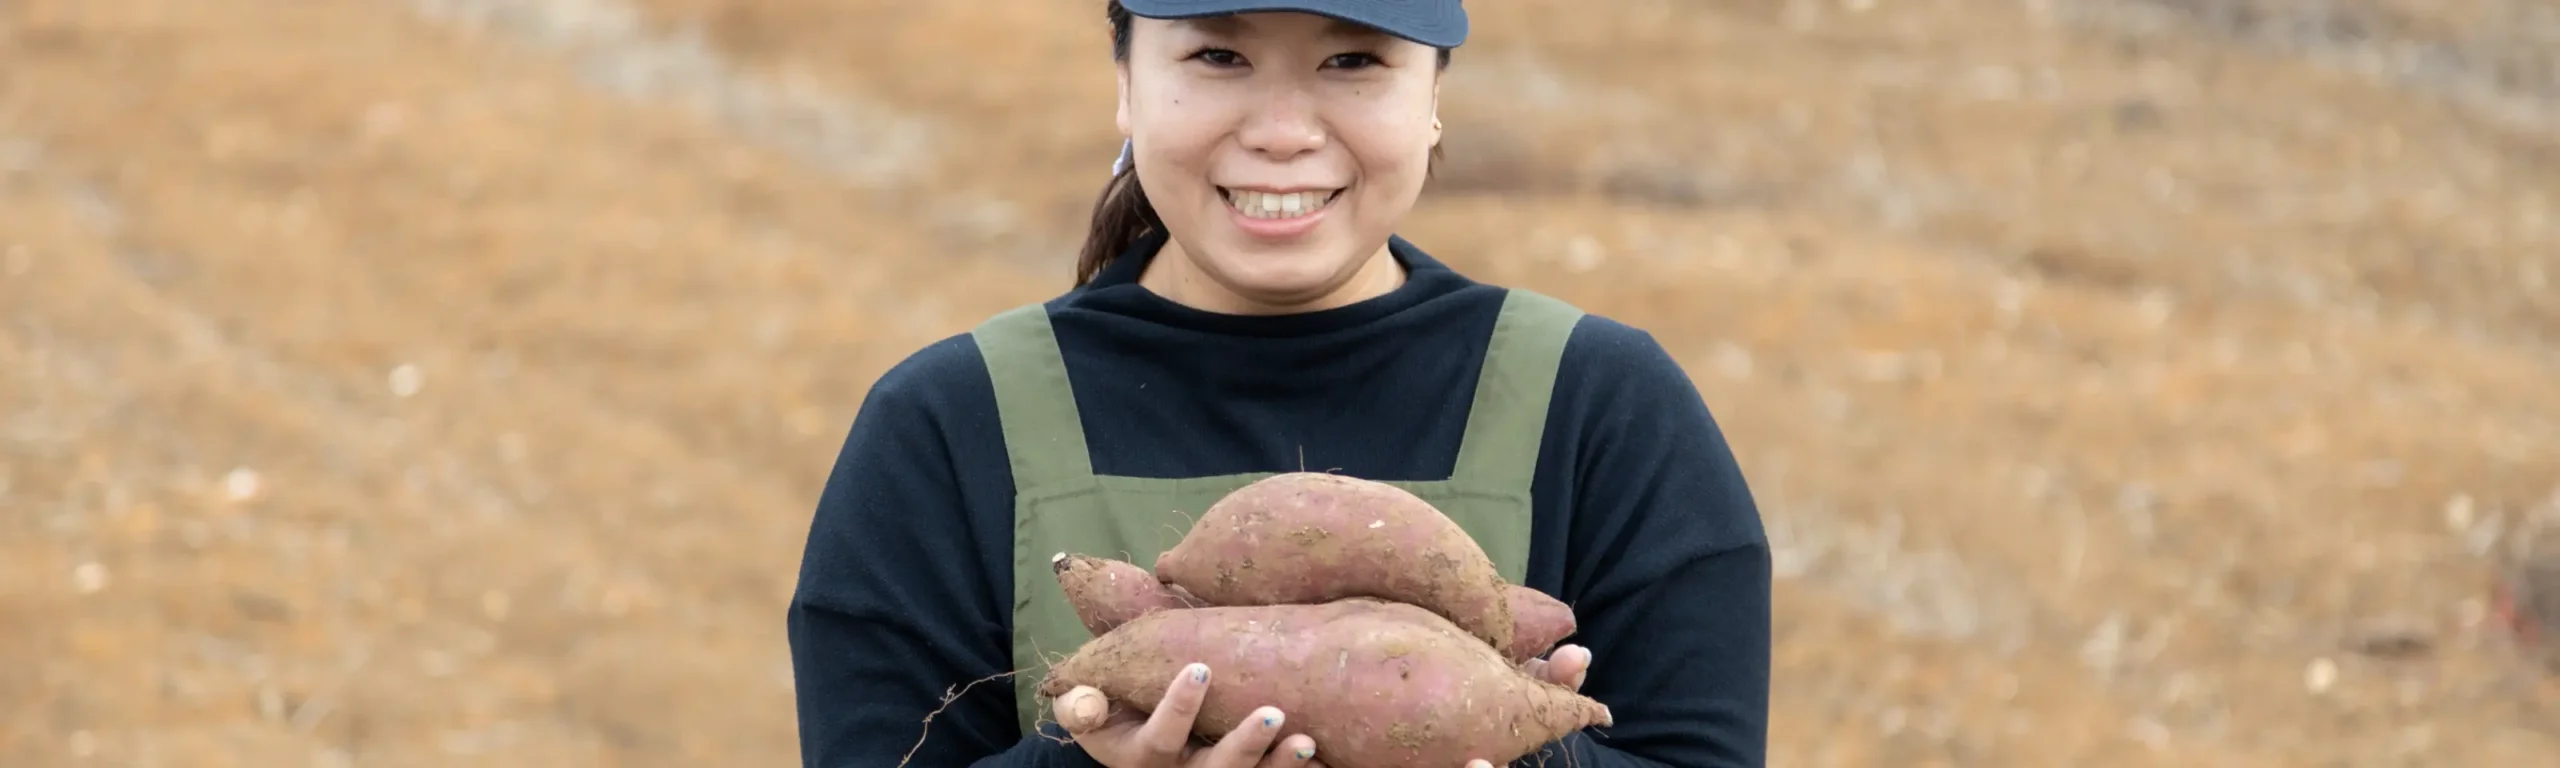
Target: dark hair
(1121,214)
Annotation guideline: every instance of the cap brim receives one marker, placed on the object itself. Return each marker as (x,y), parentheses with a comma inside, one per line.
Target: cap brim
(1436,23)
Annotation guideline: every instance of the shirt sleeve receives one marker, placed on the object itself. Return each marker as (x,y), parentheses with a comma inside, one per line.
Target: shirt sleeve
(901,610)
(1667,567)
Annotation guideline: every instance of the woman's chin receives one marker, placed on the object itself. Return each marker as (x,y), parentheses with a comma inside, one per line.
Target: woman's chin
(1264,276)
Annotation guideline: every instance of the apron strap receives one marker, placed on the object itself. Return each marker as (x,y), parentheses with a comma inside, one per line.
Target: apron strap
(1509,417)
(1043,431)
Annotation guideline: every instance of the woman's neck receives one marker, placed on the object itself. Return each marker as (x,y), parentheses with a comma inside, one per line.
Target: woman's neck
(1173,275)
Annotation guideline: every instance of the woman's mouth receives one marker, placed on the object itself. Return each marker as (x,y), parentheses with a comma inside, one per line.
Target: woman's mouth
(1276,206)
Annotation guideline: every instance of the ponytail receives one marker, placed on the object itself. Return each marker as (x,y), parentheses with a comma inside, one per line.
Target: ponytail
(1121,215)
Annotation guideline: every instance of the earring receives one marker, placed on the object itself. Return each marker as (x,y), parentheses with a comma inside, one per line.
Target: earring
(1435,123)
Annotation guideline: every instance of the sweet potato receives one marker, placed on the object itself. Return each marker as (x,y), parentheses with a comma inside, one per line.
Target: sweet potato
(1310,537)
(1107,593)
(1538,622)
(1376,684)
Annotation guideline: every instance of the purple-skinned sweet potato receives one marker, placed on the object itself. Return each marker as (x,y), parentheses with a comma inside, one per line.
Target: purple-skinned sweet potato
(1107,593)
(1311,537)
(1375,684)
(1538,622)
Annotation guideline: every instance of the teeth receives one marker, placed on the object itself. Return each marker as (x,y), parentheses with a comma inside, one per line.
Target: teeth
(1261,205)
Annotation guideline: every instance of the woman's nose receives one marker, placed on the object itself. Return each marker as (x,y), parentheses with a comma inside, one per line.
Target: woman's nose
(1284,126)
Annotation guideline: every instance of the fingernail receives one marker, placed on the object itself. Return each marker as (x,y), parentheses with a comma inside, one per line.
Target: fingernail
(1306,753)
(1088,708)
(1607,719)
(1271,720)
(1199,673)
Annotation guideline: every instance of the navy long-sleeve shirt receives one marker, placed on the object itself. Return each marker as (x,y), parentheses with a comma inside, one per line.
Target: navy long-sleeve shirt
(1642,520)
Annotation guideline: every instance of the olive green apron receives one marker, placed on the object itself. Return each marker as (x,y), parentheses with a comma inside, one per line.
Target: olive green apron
(1060,505)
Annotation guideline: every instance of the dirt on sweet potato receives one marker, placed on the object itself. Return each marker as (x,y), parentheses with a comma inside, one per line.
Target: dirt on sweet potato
(1376,684)
(1311,537)
(1107,593)
(1538,622)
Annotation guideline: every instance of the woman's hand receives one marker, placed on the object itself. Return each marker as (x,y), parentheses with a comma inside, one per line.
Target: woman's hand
(1117,737)
(1565,666)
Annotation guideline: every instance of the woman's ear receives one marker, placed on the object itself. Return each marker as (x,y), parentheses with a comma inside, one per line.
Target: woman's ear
(1121,115)
(1435,113)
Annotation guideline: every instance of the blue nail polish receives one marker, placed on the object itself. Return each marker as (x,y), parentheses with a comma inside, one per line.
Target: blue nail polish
(1200,673)
(1306,752)
(1271,721)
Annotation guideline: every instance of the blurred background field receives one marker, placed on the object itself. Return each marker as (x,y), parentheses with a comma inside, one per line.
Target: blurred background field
(448,382)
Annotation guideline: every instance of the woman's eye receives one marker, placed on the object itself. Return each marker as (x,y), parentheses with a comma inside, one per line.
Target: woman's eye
(1219,57)
(1352,61)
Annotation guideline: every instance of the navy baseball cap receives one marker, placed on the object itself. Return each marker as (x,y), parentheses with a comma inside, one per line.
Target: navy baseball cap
(1436,23)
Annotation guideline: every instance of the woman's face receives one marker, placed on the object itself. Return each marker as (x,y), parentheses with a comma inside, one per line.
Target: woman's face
(1281,150)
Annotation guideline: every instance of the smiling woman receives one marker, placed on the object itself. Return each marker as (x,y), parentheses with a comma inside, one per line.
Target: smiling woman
(1285,147)
(1243,307)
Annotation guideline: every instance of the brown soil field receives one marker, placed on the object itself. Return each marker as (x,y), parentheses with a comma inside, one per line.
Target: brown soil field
(449,382)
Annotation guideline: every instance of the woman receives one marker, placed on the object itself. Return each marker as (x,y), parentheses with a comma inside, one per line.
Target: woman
(1242,307)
